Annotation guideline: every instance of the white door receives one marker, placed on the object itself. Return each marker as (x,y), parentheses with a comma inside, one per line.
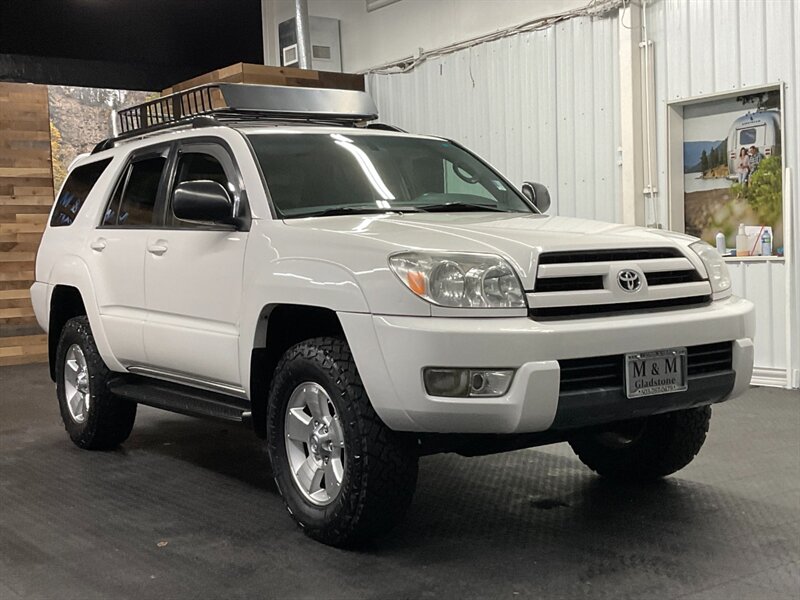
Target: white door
(117,249)
(193,281)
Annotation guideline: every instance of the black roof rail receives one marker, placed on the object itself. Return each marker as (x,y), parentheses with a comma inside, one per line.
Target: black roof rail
(240,102)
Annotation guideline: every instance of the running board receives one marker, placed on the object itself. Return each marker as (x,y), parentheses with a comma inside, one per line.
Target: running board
(180,398)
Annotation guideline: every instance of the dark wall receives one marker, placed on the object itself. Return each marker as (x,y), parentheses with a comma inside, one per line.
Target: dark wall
(130,44)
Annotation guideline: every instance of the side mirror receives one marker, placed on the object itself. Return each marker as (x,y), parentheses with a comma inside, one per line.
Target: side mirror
(202,200)
(538,194)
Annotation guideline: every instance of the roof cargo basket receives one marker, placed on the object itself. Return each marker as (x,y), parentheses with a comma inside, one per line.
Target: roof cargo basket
(238,102)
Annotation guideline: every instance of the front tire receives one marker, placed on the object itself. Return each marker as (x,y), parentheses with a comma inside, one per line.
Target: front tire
(344,475)
(93,417)
(644,449)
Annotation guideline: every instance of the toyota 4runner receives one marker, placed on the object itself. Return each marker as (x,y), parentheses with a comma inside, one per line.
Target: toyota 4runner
(362,297)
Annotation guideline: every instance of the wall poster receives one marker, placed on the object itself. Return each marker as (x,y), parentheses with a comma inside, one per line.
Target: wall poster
(732,173)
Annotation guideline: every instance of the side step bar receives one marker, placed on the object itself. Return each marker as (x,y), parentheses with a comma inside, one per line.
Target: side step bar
(180,398)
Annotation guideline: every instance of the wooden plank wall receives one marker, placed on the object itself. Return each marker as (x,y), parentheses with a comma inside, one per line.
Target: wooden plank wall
(26,194)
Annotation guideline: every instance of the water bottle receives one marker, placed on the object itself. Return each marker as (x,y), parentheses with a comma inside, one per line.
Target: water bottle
(721,243)
(766,244)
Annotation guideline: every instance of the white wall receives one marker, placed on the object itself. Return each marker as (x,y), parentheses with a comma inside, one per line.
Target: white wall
(713,46)
(541,106)
(400,29)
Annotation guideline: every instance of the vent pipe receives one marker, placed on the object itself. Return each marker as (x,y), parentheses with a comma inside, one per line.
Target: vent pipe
(303,34)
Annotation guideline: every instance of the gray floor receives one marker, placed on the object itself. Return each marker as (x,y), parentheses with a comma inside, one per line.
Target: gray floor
(187,509)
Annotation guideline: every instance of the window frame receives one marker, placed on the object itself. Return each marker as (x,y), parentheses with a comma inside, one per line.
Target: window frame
(165,150)
(220,150)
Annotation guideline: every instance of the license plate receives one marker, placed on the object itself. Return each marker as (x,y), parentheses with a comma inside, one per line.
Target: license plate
(657,372)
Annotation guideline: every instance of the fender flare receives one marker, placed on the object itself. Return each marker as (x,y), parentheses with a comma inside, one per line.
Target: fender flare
(71,270)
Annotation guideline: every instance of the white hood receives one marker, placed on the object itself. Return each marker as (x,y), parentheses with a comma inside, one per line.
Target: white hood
(519,238)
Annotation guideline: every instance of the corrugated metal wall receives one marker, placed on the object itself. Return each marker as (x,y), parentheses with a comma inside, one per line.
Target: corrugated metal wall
(710,46)
(541,106)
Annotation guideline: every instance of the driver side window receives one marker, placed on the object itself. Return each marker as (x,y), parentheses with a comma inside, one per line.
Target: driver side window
(192,166)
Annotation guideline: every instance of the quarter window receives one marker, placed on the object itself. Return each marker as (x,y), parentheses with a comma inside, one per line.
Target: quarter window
(77,187)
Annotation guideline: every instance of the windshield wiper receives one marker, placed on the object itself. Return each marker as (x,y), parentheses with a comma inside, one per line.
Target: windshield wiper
(354,210)
(460,206)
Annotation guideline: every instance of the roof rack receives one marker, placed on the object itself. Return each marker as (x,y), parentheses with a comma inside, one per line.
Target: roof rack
(231,102)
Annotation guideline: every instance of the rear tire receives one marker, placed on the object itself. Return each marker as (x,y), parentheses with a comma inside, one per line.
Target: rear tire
(93,417)
(644,449)
(344,475)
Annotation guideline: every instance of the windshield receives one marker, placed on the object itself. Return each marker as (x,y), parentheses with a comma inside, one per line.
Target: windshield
(314,174)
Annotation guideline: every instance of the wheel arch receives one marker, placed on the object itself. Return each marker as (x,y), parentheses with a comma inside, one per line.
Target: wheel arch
(71,274)
(66,303)
(279,327)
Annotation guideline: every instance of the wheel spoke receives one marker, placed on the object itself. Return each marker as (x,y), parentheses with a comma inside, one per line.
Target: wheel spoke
(334,472)
(309,475)
(337,433)
(76,403)
(298,425)
(317,403)
(71,372)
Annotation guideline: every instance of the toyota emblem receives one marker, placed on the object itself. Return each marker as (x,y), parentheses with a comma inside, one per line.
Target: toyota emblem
(629,280)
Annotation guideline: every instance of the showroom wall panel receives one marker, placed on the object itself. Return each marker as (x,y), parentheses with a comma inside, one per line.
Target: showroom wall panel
(540,106)
(714,46)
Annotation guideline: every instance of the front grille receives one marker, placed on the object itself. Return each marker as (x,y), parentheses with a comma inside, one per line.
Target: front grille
(599,310)
(565,284)
(585,283)
(580,256)
(671,277)
(581,374)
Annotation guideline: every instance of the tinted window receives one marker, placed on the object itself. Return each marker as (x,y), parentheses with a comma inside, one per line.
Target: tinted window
(77,187)
(193,166)
(314,173)
(135,196)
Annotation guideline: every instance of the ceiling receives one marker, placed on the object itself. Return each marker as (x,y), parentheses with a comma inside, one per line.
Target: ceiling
(135,44)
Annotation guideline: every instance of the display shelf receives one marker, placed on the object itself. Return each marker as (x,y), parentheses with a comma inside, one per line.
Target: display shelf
(754,258)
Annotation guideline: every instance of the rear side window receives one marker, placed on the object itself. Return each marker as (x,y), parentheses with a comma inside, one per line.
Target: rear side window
(134,200)
(77,187)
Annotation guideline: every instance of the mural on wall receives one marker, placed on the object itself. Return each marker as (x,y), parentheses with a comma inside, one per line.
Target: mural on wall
(80,118)
(732,172)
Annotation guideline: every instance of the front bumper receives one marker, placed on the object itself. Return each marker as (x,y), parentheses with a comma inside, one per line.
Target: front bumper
(391,351)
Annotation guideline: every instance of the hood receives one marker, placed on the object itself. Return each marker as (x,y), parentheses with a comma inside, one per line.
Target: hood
(520,238)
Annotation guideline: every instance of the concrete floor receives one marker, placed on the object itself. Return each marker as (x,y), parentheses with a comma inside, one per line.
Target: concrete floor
(187,509)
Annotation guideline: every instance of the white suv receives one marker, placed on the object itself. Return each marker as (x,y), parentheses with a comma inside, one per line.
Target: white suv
(363,297)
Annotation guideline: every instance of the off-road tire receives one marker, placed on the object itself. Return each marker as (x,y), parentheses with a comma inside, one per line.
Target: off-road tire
(110,419)
(665,444)
(380,470)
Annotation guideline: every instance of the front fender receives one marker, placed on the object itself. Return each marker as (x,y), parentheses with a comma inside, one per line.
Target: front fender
(296,281)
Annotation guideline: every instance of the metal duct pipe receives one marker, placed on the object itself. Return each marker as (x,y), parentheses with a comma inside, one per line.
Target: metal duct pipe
(303,34)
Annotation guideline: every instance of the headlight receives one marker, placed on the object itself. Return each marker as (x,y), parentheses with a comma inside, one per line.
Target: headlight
(460,280)
(718,274)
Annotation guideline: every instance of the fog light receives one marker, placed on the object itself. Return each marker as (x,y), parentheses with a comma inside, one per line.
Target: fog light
(490,383)
(461,383)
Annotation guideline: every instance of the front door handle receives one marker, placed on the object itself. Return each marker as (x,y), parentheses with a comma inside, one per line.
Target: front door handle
(158,248)
(98,245)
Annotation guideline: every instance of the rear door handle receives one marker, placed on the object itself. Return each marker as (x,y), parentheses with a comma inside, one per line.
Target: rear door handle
(158,248)
(98,245)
